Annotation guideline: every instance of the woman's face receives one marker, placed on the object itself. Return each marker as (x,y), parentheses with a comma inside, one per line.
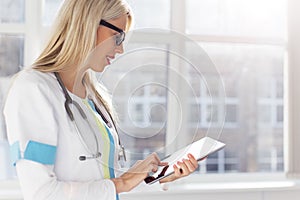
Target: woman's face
(106,48)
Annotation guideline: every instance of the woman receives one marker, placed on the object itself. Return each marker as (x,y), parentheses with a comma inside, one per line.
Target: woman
(59,123)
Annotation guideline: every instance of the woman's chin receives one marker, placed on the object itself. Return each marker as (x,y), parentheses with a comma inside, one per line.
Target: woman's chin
(100,68)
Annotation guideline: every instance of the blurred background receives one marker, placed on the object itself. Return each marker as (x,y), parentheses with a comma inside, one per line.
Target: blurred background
(245,40)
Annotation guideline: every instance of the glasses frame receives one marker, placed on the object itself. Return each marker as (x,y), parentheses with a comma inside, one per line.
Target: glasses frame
(119,39)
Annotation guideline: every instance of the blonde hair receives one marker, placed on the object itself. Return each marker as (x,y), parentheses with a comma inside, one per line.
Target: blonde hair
(74,37)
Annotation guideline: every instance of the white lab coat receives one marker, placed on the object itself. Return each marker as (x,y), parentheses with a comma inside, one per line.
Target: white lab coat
(37,121)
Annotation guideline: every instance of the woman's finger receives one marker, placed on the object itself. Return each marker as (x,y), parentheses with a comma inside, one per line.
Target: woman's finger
(177,172)
(155,156)
(193,160)
(163,163)
(191,167)
(184,168)
(154,168)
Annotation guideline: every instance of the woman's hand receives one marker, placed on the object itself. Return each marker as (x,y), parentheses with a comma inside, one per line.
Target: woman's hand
(182,169)
(137,173)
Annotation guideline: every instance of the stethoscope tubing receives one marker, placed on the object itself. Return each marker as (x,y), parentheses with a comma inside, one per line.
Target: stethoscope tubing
(67,103)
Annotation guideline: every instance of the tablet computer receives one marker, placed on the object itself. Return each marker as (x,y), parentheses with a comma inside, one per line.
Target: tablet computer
(199,149)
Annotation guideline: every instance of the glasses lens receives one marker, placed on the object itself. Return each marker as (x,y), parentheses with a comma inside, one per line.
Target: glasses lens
(120,38)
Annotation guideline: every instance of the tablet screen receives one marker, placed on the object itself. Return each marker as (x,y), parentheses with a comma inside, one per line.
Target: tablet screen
(199,149)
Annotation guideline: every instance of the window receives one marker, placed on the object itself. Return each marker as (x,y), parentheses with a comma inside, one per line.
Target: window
(236,18)
(270,101)
(212,112)
(151,14)
(249,70)
(50,8)
(252,76)
(11,54)
(12,11)
(161,100)
(140,97)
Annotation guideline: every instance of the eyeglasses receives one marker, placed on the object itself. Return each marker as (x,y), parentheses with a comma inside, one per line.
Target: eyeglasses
(120,37)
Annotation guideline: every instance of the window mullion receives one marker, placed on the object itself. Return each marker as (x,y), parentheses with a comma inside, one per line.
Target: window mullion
(175,126)
(178,15)
(12,28)
(238,40)
(33,16)
(292,99)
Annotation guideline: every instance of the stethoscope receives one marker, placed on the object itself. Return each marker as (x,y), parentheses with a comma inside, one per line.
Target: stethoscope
(69,101)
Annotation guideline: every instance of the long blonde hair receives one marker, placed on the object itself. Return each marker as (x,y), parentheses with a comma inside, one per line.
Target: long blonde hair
(74,37)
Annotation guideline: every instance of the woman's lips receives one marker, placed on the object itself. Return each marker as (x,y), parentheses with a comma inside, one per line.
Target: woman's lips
(109,59)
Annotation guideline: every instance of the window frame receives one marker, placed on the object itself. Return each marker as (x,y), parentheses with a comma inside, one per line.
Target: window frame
(30,29)
(291,91)
(292,97)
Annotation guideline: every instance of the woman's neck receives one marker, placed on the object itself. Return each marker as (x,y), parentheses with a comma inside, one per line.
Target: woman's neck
(73,81)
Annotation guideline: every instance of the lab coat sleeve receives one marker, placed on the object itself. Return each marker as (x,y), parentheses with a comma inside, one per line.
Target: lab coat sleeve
(32,130)
(38,182)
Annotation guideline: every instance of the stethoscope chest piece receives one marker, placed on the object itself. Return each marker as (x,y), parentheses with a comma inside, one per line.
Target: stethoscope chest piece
(122,153)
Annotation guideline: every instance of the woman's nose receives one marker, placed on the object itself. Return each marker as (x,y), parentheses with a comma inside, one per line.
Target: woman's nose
(119,49)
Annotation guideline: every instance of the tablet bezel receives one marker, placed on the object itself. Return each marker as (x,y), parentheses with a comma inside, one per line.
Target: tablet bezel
(182,153)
